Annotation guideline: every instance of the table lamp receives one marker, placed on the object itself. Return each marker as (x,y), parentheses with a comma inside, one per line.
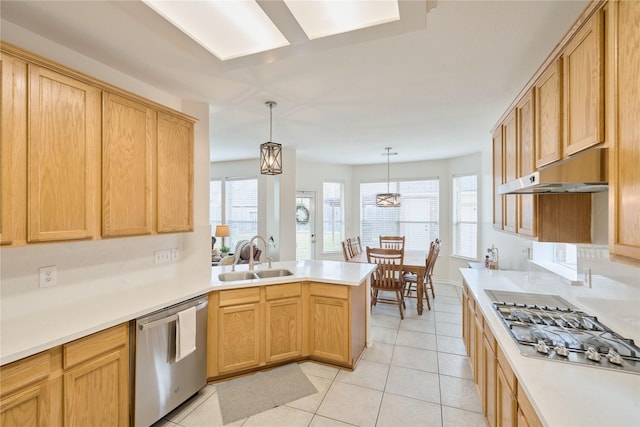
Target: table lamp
(222,231)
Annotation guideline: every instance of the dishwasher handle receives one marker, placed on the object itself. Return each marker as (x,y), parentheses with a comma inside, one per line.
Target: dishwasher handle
(148,325)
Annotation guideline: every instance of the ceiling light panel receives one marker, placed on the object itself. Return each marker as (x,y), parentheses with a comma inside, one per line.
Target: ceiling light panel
(228,29)
(326,18)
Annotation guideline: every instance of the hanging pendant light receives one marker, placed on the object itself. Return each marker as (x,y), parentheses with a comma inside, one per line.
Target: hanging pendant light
(388,199)
(270,152)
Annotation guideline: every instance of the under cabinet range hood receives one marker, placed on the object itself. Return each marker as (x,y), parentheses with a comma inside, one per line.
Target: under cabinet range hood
(581,173)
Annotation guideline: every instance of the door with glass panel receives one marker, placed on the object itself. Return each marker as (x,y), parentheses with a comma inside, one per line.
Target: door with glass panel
(305,225)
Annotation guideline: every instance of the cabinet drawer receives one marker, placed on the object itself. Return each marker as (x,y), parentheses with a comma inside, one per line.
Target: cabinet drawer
(283,291)
(331,291)
(86,348)
(18,374)
(239,296)
(506,370)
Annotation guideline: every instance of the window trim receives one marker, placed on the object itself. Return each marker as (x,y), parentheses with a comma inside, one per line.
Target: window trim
(453,216)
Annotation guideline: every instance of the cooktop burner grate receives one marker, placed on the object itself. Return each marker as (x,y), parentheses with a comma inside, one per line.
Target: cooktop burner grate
(547,326)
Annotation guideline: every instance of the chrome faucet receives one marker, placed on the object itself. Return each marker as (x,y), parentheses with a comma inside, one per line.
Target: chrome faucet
(251,251)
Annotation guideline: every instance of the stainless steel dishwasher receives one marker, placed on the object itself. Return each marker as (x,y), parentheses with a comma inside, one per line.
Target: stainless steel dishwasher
(161,383)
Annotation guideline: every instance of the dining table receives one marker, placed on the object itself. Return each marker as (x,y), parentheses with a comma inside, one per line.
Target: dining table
(414,262)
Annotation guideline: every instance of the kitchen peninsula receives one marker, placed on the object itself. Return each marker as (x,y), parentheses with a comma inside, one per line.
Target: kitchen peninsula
(65,347)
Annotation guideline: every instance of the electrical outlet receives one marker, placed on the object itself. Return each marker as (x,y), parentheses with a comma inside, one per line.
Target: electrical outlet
(48,276)
(175,255)
(163,257)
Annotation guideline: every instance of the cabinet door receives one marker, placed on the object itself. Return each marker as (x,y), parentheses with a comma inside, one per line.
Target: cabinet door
(13,149)
(489,389)
(583,72)
(624,132)
(548,104)
(27,408)
(526,203)
(497,178)
(64,139)
(527,416)
(128,140)
(329,322)
(510,160)
(471,349)
(239,332)
(175,174)
(96,391)
(506,404)
(284,329)
(478,372)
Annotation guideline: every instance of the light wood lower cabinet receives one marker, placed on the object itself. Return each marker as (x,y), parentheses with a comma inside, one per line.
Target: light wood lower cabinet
(504,402)
(329,322)
(251,328)
(283,315)
(82,383)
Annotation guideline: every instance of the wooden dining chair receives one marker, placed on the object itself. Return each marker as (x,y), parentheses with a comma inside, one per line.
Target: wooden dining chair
(387,277)
(355,245)
(392,242)
(346,249)
(411,279)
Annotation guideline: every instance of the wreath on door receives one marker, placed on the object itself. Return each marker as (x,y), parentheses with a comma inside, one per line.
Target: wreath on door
(302,214)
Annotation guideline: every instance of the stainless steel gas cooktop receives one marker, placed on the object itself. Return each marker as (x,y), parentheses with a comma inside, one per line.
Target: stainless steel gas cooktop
(546,326)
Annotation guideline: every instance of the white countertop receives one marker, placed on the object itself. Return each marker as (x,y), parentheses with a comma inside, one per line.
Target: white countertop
(565,394)
(36,321)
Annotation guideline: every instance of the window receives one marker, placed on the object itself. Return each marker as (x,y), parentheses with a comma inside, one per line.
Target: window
(234,202)
(417,217)
(465,216)
(332,216)
(215,203)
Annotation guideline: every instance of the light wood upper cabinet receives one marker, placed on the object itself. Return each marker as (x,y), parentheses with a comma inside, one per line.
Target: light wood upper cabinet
(525,125)
(62,164)
(71,145)
(510,160)
(548,111)
(128,144)
(13,149)
(623,113)
(497,178)
(175,174)
(583,72)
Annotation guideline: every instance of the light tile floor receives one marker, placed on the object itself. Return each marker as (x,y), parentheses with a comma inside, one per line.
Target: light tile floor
(416,373)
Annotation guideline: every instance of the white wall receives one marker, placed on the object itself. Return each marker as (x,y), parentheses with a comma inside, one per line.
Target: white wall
(124,261)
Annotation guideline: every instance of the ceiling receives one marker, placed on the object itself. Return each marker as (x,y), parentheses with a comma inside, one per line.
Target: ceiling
(431,85)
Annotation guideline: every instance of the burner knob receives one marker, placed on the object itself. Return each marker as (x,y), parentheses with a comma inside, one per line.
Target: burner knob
(614,357)
(542,347)
(561,350)
(592,354)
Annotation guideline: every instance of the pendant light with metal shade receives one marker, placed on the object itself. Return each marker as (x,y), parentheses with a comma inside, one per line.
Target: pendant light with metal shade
(270,152)
(388,199)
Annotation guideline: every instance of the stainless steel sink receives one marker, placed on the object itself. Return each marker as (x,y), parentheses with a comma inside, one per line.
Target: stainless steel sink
(263,274)
(236,275)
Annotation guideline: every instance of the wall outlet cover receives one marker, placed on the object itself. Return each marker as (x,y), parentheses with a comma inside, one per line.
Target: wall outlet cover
(48,276)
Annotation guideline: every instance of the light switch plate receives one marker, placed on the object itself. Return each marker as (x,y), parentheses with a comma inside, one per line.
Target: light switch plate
(163,257)
(48,276)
